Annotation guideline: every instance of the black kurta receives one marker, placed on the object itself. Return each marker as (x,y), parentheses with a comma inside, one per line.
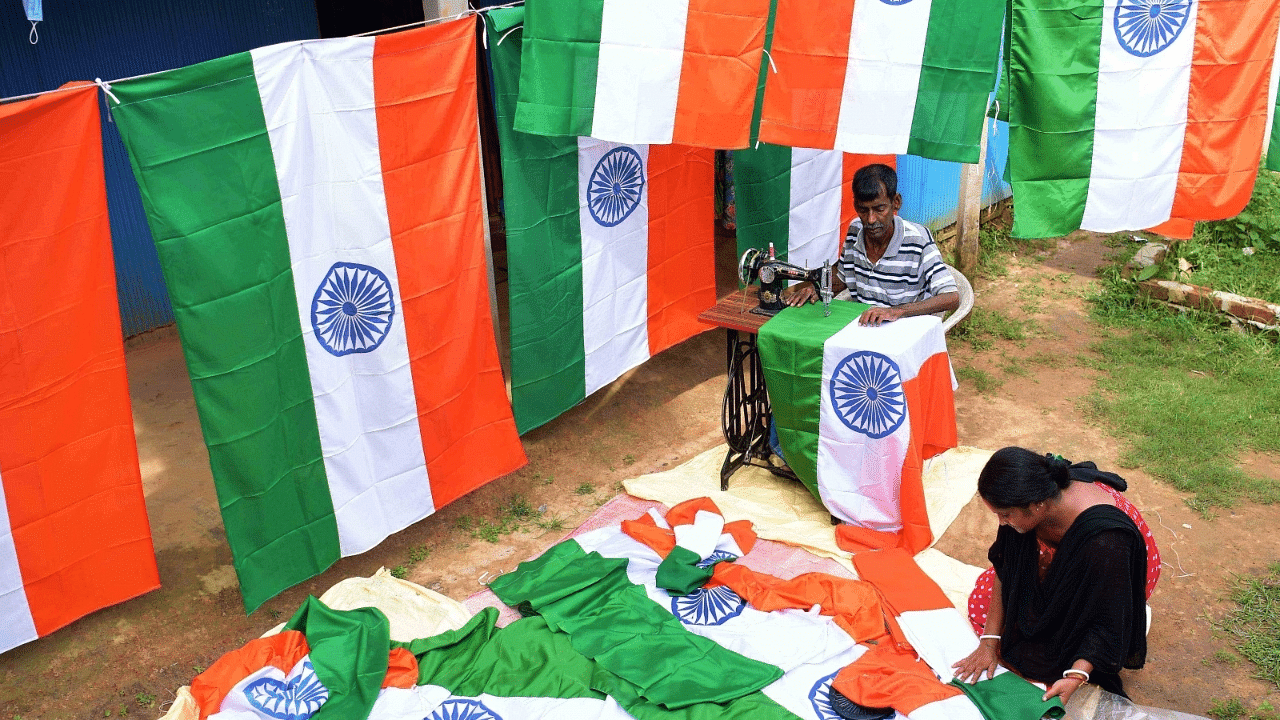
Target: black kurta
(1091,603)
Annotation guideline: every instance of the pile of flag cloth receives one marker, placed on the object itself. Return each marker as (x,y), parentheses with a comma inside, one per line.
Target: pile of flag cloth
(652,618)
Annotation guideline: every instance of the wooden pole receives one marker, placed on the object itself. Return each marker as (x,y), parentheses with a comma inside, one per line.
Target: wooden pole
(970,210)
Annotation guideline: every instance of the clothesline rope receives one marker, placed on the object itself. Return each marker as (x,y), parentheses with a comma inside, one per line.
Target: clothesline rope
(104,84)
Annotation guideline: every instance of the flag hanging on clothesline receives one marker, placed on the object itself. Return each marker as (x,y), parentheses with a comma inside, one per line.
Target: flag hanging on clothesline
(798,199)
(610,249)
(883,76)
(658,72)
(74,536)
(1133,114)
(317,210)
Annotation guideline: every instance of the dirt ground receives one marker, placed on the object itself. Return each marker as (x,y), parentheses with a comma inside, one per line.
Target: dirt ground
(128,659)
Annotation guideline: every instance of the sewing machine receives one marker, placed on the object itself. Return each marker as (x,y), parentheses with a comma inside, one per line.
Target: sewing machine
(773,275)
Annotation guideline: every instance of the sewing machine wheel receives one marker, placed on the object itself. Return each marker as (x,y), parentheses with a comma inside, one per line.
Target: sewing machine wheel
(748,264)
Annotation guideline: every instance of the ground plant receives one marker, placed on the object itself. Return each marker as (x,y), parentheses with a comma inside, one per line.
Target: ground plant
(1254,622)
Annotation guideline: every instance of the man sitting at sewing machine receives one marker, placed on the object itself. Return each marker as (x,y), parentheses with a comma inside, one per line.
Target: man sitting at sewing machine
(889,263)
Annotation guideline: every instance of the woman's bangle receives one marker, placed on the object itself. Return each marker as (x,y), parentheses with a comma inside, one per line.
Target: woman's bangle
(988,637)
(1069,672)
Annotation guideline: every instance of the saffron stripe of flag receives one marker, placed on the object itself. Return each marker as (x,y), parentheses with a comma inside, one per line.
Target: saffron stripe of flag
(334,318)
(796,198)
(610,250)
(668,71)
(74,536)
(1164,126)
(889,77)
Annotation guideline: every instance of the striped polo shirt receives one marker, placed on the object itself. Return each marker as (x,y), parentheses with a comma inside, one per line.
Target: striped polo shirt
(910,270)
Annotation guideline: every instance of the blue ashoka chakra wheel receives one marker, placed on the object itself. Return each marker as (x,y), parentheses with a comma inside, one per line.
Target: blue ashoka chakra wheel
(295,699)
(613,192)
(866,393)
(463,709)
(895,2)
(715,557)
(707,606)
(352,309)
(820,697)
(1145,27)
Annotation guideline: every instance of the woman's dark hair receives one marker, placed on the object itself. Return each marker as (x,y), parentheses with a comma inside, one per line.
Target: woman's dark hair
(869,180)
(1017,477)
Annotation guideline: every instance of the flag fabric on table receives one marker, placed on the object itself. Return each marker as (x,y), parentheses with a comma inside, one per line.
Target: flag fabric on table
(885,77)
(1132,114)
(858,411)
(661,72)
(74,536)
(798,199)
(317,210)
(610,249)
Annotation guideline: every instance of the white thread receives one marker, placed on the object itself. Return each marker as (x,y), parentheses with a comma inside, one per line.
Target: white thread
(106,88)
(1160,519)
(484,36)
(771,63)
(34,36)
(364,34)
(505,34)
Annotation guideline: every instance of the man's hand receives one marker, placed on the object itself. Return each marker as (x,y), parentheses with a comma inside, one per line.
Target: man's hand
(984,659)
(877,315)
(802,294)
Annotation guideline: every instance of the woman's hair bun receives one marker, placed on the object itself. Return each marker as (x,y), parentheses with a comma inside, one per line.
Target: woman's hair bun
(1059,470)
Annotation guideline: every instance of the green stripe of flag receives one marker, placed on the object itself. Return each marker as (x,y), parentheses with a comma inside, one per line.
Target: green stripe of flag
(218,226)
(544,246)
(791,352)
(348,650)
(762,191)
(561,50)
(529,659)
(962,46)
(758,109)
(612,621)
(1053,63)
(1273,146)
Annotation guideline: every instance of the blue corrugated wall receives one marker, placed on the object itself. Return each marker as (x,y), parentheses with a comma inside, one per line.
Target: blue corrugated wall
(84,39)
(931,188)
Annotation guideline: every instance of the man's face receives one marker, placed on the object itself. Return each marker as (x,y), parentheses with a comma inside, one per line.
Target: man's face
(877,215)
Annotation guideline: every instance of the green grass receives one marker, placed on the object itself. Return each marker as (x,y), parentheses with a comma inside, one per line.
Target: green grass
(1188,396)
(1223,267)
(1255,621)
(984,326)
(982,381)
(996,249)
(585,488)
(1233,709)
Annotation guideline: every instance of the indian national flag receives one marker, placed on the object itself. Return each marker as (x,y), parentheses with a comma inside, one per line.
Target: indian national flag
(796,198)
(882,76)
(610,250)
(656,72)
(858,410)
(1132,114)
(317,210)
(74,536)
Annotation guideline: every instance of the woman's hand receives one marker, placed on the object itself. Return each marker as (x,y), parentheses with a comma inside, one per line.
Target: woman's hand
(1064,688)
(984,659)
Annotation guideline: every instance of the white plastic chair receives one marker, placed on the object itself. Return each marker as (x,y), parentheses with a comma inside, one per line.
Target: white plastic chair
(966,300)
